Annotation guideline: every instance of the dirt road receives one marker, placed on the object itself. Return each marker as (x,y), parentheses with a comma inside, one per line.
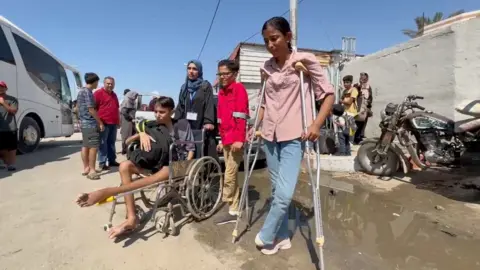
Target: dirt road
(42,228)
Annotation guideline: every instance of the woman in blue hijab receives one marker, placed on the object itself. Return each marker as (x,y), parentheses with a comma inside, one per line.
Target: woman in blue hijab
(196,104)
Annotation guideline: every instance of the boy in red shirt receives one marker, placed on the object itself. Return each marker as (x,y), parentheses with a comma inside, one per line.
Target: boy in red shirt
(232,112)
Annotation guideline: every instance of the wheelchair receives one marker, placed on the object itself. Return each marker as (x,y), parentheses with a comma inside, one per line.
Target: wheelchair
(194,188)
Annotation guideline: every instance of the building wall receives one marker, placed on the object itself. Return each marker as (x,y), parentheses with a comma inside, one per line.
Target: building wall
(443,66)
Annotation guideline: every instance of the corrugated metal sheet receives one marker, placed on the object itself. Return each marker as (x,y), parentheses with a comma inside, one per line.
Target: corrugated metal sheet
(251,59)
(253,92)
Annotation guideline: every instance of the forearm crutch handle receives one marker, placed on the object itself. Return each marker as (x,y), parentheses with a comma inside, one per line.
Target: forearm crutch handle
(300,67)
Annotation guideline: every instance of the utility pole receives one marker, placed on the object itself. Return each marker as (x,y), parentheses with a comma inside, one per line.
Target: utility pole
(293,22)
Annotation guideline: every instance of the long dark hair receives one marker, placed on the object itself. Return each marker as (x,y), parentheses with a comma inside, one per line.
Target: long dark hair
(281,24)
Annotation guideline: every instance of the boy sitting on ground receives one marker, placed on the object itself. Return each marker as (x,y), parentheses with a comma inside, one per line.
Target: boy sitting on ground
(153,154)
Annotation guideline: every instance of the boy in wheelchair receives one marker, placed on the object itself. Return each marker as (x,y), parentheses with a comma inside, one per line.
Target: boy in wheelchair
(154,138)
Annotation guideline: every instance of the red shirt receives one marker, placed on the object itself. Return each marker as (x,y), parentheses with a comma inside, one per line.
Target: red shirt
(232,113)
(107,106)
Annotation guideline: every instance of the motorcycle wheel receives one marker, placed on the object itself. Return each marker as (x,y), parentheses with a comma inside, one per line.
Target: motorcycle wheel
(385,167)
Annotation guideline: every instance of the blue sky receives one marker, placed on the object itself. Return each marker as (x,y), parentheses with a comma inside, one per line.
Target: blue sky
(144,44)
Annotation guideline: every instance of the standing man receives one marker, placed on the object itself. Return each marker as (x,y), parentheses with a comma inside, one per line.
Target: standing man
(90,125)
(8,127)
(127,111)
(108,111)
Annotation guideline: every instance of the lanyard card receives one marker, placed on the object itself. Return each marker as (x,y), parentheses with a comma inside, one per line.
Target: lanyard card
(191,116)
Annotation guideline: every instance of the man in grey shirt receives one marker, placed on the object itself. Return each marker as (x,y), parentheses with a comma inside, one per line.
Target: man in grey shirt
(8,127)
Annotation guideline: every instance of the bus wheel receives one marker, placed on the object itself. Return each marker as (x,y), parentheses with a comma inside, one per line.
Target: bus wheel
(28,135)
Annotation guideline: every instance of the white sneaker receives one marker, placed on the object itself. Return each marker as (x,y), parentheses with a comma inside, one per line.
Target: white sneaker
(273,249)
(258,242)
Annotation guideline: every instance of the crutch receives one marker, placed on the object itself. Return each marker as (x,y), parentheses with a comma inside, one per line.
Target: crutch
(315,183)
(244,202)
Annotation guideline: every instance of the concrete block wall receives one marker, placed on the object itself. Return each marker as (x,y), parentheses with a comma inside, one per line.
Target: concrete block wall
(443,66)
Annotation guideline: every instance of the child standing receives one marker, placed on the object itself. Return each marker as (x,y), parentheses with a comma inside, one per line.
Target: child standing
(232,115)
(345,126)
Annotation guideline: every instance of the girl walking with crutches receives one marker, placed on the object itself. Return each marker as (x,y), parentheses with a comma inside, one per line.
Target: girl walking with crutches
(282,128)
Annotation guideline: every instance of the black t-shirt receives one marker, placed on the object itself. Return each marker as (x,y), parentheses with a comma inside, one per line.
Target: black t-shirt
(7,120)
(158,156)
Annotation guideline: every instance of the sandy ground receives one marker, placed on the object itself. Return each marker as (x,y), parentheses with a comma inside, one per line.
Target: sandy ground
(42,228)
(371,225)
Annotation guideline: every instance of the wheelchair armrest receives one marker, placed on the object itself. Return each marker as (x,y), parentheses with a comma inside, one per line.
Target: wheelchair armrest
(132,146)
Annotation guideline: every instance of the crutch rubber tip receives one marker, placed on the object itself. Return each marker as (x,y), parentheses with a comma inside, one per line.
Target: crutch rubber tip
(107,227)
(320,241)
(299,66)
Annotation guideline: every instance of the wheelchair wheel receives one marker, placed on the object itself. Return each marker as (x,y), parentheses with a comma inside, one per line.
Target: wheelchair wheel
(148,197)
(204,187)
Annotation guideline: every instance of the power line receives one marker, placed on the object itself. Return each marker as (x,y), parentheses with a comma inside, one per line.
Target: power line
(209,29)
(285,13)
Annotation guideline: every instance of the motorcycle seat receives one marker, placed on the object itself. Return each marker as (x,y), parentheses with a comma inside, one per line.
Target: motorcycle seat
(469,107)
(467,125)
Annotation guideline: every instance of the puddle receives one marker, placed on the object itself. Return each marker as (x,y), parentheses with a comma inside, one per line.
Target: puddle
(399,238)
(362,230)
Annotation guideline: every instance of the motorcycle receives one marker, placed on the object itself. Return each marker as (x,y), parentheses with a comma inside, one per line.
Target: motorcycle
(429,139)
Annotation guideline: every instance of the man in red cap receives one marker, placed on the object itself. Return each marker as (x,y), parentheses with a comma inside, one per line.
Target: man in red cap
(8,127)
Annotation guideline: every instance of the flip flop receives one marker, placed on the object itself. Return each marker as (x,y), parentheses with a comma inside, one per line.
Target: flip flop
(85,173)
(93,176)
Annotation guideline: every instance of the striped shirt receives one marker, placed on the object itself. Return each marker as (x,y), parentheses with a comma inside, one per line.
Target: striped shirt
(282,120)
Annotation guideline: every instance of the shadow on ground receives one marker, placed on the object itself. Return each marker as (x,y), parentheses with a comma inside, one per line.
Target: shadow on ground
(48,151)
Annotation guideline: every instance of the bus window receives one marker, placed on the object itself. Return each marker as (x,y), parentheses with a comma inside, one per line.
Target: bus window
(41,67)
(66,92)
(5,52)
(73,82)
(78,80)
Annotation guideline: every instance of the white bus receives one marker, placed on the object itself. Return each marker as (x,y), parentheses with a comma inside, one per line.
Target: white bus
(40,83)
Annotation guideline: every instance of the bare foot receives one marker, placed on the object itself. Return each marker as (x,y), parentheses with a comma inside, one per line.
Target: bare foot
(126,227)
(89,199)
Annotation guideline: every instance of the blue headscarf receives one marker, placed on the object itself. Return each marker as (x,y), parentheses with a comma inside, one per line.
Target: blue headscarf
(193,85)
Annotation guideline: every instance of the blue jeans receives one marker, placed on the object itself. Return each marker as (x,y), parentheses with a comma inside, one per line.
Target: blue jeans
(106,151)
(344,143)
(283,161)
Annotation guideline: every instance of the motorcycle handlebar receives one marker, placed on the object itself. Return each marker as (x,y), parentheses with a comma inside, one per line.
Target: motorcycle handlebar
(413,97)
(411,105)
(418,107)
